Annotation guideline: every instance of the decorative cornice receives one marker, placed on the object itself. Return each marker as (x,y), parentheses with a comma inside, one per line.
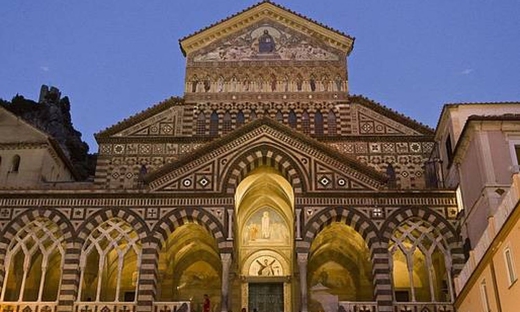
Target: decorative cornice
(257,128)
(132,199)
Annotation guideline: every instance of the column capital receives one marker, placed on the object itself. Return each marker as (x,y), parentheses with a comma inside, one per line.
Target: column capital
(302,257)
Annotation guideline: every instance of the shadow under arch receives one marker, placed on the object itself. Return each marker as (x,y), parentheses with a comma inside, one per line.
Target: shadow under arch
(181,216)
(264,154)
(348,216)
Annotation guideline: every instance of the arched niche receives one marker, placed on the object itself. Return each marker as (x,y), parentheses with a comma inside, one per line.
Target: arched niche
(339,267)
(264,232)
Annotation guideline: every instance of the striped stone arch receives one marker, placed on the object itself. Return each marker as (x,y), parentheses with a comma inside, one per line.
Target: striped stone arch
(178,217)
(345,215)
(435,219)
(264,155)
(104,215)
(25,218)
(364,226)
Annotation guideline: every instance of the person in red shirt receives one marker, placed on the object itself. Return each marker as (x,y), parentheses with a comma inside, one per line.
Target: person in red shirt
(207,304)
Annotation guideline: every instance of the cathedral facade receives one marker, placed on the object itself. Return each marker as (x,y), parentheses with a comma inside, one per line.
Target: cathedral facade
(267,186)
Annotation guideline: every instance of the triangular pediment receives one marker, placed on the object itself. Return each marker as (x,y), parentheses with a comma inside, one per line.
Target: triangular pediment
(247,26)
(163,119)
(375,119)
(13,130)
(287,44)
(215,167)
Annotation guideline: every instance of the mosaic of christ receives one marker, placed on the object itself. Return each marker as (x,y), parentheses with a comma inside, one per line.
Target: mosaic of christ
(265,226)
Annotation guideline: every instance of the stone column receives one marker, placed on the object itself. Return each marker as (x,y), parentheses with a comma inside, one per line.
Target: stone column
(382,274)
(147,285)
(68,293)
(226,264)
(302,264)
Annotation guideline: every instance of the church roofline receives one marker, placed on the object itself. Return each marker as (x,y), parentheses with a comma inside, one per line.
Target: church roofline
(141,116)
(230,18)
(353,163)
(386,111)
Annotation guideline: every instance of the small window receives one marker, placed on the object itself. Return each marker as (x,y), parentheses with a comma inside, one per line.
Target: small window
(484,296)
(240,119)
(213,124)
(201,124)
(292,119)
(279,116)
(449,149)
(226,125)
(252,115)
(318,123)
(305,123)
(510,266)
(15,165)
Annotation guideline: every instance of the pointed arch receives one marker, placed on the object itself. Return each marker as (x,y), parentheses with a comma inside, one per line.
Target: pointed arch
(31,257)
(201,123)
(264,155)
(306,123)
(178,217)
(292,119)
(226,122)
(240,119)
(213,124)
(279,116)
(318,123)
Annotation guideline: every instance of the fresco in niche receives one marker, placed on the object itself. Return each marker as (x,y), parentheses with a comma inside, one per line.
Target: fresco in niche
(265,266)
(332,283)
(199,279)
(265,226)
(266,42)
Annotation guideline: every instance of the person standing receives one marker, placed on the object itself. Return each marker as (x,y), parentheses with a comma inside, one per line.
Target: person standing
(207,304)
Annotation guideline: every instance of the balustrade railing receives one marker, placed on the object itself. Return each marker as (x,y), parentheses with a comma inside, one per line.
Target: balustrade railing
(28,306)
(357,306)
(178,306)
(423,307)
(104,307)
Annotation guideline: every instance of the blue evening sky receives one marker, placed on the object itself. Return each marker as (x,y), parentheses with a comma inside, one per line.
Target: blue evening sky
(116,58)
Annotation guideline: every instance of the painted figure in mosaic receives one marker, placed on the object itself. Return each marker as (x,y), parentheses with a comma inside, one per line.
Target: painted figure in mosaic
(266,43)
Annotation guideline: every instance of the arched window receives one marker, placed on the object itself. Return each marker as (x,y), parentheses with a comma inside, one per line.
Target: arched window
(240,119)
(213,124)
(331,123)
(420,262)
(279,116)
(318,123)
(33,261)
(109,263)
(252,115)
(15,163)
(306,124)
(201,124)
(292,119)
(226,125)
